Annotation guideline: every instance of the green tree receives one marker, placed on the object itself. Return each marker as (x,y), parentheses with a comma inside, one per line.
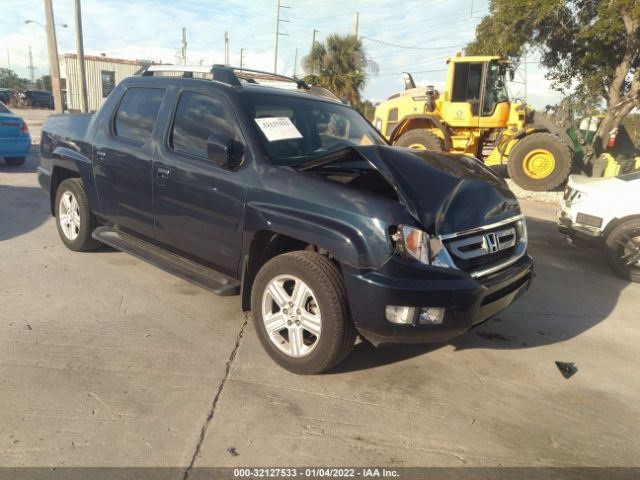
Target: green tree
(367,109)
(9,79)
(339,64)
(44,83)
(590,48)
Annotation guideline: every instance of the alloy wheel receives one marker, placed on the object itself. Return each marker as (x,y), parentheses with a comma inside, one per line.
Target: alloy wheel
(291,316)
(628,250)
(69,215)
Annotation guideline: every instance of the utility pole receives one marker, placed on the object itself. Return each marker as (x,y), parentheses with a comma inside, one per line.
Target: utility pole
(84,102)
(54,64)
(32,69)
(313,44)
(278,20)
(525,77)
(183,50)
(8,60)
(241,57)
(356,25)
(295,62)
(226,48)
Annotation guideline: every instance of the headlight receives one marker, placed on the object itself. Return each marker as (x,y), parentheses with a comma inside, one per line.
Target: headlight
(415,244)
(521,227)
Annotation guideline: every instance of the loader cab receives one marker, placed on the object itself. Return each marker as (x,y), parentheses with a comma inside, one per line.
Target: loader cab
(477,88)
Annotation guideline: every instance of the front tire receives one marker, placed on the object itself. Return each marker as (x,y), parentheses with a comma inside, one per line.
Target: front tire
(15,161)
(74,218)
(421,140)
(539,162)
(300,311)
(623,250)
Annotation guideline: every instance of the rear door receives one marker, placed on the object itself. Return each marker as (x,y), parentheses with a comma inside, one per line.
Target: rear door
(123,153)
(199,206)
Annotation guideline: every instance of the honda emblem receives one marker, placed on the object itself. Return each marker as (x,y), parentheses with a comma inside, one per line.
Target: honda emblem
(492,244)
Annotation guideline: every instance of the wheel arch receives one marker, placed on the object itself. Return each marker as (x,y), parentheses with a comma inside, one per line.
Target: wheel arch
(68,163)
(616,222)
(265,245)
(420,121)
(540,123)
(58,175)
(272,230)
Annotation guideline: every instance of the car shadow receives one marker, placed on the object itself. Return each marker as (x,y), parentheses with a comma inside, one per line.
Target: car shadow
(23,209)
(574,290)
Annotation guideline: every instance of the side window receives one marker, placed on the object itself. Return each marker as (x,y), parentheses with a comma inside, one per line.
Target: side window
(466,82)
(137,113)
(197,117)
(108,82)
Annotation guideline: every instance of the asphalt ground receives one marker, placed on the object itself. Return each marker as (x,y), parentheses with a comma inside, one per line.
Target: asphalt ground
(108,361)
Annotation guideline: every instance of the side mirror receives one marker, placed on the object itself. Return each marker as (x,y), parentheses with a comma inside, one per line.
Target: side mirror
(224,151)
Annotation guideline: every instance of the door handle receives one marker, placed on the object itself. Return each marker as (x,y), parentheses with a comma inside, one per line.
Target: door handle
(100,157)
(163,173)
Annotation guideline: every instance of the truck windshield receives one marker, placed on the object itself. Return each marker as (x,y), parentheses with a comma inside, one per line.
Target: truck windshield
(294,130)
(495,87)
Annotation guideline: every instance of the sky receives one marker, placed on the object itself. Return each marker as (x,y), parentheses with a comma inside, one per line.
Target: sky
(422,35)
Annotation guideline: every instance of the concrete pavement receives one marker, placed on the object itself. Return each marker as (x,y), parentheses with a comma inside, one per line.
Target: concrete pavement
(108,361)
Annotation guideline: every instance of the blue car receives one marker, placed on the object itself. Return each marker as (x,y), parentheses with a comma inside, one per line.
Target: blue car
(15,141)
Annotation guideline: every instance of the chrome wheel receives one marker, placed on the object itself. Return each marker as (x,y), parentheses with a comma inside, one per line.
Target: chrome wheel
(291,316)
(629,251)
(69,215)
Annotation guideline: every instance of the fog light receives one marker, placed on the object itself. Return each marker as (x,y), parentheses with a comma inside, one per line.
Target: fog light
(431,316)
(399,314)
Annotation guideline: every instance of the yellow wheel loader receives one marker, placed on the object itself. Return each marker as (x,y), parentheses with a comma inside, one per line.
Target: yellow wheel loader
(475,116)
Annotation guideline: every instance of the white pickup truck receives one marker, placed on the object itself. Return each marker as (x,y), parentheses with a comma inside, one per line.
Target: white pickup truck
(605,213)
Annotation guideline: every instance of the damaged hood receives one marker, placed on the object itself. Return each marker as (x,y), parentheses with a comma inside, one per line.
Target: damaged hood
(446,193)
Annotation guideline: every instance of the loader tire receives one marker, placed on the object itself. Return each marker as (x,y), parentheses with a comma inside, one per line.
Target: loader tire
(421,140)
(539,162)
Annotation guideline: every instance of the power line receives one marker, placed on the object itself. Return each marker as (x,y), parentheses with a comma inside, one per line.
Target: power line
(406,46)
(386,74)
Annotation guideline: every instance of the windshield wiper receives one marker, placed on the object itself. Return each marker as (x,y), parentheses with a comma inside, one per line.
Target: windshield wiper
(335,156)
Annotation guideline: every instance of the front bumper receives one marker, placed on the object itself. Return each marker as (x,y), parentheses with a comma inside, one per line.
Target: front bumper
(580,235)
(467,301)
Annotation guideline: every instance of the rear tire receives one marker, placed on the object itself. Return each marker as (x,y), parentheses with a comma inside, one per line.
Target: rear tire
(74,218)
(623,246)
(539,162)
(15,161)
(323,308)
(421,140)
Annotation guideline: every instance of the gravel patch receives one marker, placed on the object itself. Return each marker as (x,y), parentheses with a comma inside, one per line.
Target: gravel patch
(551,198)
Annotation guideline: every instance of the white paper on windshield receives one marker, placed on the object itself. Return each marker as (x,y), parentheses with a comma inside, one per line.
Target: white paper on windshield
(278,128)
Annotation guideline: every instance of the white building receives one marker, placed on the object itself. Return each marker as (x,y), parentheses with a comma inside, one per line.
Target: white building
(103,74)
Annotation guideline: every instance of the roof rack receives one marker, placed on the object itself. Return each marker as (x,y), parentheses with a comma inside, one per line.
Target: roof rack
(235,77)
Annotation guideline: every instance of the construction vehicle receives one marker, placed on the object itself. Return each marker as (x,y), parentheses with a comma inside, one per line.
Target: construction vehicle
(474,116)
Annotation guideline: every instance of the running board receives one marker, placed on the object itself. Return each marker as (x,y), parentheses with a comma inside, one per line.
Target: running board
(190,271)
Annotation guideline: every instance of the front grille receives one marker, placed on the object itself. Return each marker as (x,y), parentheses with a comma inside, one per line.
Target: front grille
(484,249)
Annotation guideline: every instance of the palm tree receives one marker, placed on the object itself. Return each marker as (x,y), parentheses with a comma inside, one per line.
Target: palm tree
(340,65)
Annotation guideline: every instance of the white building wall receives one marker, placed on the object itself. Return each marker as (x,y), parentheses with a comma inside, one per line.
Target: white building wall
(94,67)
